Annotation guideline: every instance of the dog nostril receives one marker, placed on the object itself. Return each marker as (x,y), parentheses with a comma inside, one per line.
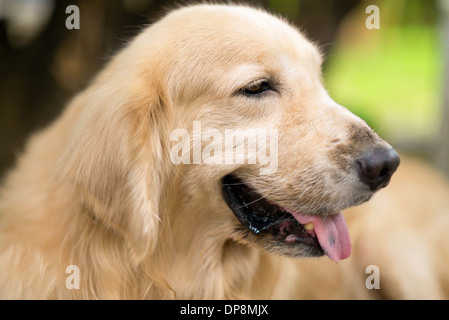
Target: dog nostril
(384,172)
(377,166)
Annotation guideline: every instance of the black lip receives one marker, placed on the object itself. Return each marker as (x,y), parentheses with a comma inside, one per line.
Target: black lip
(261,217)
(249,207)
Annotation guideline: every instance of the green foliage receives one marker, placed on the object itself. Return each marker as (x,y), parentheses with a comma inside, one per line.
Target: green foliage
(391,77)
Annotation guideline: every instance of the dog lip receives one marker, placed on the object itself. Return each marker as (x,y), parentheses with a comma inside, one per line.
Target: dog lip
(263,217)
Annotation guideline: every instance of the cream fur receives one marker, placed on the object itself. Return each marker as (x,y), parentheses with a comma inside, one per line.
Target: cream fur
(96,188)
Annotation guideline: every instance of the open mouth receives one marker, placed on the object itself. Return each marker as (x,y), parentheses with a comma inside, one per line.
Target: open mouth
(319,234)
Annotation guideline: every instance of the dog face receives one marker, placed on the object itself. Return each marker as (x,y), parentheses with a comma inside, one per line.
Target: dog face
(249,70)
(223,70)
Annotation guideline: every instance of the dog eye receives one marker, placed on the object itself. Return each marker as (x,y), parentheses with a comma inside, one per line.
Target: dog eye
(257,87)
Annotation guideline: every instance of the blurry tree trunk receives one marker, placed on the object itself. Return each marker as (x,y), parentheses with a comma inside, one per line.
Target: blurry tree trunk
(443,146)
(36,81)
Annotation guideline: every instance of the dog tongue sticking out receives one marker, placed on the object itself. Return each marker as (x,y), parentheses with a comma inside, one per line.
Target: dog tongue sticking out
(332,233)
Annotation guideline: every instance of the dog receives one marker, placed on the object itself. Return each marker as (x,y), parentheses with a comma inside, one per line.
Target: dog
(100,205)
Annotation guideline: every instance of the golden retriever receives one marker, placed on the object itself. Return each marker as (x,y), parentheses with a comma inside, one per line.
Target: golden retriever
(131,193)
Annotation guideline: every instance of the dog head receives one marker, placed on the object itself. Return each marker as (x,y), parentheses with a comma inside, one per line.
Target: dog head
(194,94)
(254,87)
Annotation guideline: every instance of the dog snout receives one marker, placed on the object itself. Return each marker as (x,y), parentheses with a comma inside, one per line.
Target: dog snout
(377,166)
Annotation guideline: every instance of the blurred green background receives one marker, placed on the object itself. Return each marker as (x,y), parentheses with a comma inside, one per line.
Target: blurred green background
(394,77)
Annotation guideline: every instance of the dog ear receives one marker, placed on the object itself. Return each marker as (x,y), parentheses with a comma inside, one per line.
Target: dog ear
(115,159)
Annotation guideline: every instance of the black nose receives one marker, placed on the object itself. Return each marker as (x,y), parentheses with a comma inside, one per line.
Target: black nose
(377,166)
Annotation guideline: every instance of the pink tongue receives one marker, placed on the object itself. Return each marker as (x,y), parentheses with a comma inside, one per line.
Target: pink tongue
(332,233)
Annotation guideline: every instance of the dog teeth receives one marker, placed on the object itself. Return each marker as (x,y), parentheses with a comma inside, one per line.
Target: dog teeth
(308,226)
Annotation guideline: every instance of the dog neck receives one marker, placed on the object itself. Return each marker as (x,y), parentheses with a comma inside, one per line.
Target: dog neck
(201,260)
